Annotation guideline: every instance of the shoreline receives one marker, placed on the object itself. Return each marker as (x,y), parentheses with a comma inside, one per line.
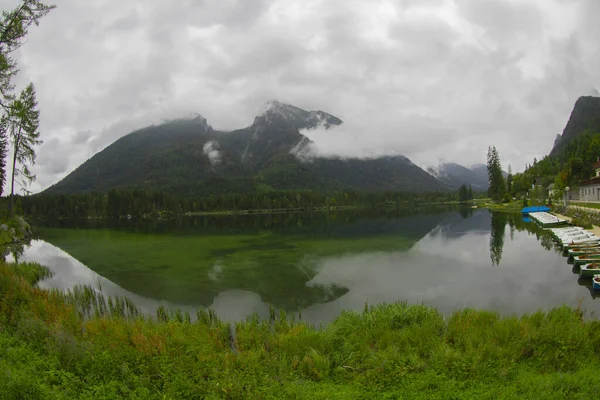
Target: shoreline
(595,229)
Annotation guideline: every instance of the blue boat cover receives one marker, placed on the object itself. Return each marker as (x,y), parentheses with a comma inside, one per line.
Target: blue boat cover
(528,210)
(526,219)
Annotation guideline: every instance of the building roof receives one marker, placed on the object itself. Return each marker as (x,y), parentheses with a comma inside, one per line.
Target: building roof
(591,181)
(596,165)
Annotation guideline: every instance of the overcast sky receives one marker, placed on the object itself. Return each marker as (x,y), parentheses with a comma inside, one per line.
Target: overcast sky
(430,79)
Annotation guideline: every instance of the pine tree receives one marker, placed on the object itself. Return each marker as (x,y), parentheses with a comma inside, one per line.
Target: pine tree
(23,122)
(463,193)
(14,26)
(3,150)
(497,187)
(509,179)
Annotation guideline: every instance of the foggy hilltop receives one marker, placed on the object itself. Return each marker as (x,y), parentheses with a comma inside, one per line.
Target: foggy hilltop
(188,156)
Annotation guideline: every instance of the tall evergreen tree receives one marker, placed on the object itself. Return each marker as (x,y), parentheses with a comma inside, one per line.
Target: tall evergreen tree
(24,122)
(463,193)
(3,150)
(14,26)
(509,179)
(497,187)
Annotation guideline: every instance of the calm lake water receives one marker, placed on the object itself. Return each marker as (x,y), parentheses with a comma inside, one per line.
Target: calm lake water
(318,264)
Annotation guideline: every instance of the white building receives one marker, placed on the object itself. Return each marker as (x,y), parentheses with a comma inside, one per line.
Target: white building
(589,189)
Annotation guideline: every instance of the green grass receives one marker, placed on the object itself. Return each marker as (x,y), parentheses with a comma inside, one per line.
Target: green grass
(193,269)
(49,351)
(584,218)
(512,207)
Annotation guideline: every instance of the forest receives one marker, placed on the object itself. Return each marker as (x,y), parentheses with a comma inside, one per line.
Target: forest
(140,203)
(565,168)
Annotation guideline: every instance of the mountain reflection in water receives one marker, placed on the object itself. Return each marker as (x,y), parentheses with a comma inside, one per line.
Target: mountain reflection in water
(450,261)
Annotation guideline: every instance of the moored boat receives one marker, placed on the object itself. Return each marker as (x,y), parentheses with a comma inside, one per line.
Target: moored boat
(571,254)
(577,243)
(586,259)
(573,231)
(580,235)
(577,251)
(546,219)
(596,282)
(589,270)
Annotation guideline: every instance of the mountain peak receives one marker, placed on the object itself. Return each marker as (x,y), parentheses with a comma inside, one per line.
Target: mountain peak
(585,116)
(275,108)
(195,118)
(276,112)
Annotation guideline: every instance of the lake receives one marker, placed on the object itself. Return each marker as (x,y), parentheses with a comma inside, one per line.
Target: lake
(317,264)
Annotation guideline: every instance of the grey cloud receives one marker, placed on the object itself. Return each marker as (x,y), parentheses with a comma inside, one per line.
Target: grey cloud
(504,18)
(427,79)
(53,157)
(81,137)
(211,150)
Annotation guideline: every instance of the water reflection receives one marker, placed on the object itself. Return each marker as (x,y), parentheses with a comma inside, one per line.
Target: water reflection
(447,266)
(499,221)
(465,211)
(231,305)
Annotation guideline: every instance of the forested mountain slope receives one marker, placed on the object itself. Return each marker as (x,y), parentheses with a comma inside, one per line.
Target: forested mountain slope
(585,118)
(573,154)
(189,157)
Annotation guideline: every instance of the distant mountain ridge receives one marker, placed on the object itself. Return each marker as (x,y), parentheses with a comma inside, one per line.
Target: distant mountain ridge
(188,157)
(454,175)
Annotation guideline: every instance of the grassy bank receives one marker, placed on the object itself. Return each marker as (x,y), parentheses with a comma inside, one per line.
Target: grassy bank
(512,207)
(48,351)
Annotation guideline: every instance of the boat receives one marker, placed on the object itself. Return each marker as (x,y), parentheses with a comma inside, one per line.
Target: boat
(576,235)
(565,229)
(578,251)
(576,248)
(596,282)
(586,246)
(566,232)
(577,243)
(545,219)
(589,270)
(588,258)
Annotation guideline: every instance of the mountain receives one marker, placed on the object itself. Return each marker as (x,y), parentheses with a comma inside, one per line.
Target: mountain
(455,175)
(187,156)
(573,154)
(585,117)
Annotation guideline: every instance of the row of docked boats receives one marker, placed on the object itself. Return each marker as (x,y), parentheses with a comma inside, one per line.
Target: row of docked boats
(582,249)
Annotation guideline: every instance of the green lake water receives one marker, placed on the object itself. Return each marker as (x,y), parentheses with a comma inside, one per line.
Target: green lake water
(319,265)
